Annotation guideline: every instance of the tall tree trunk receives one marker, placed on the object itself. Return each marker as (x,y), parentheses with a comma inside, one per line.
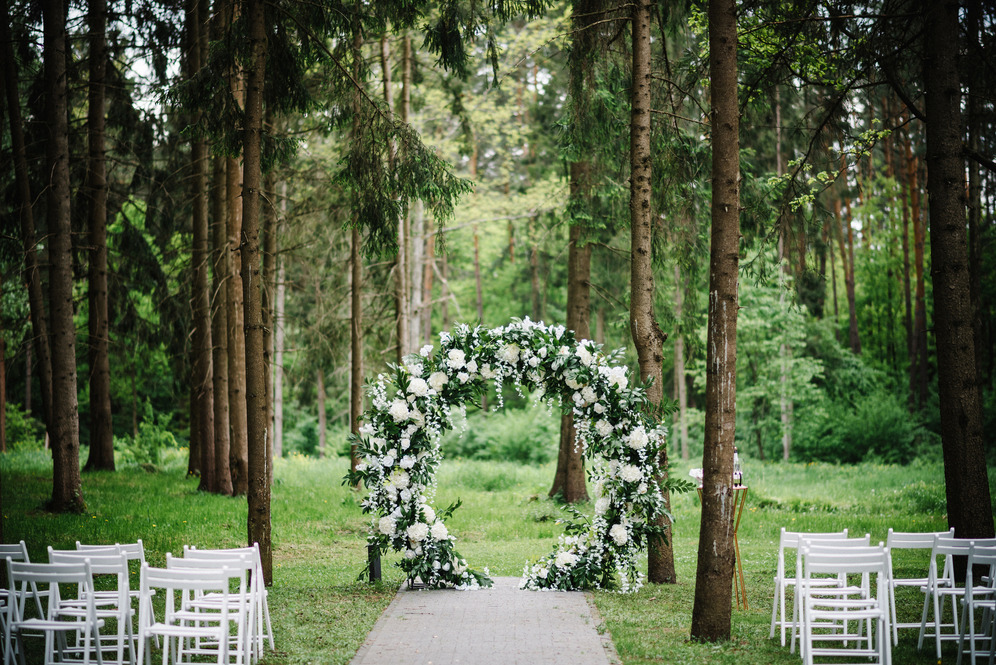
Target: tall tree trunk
(975,119)
(966,483)
(853,336)
(648,338)
(101,455)
(269,294)
(221,261)
(31,272)
(534,271)
(402,311)
(712,610)
(356,286)
(278,357)
(258,477)
(428,273)
(907,291)
(3,382)
(322,418)
(918,376)
(784,354)
(67,492)
(202,386)
(680,388)
(569,479)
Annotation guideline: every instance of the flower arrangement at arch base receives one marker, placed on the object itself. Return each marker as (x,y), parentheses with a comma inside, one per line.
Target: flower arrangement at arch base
(400,452)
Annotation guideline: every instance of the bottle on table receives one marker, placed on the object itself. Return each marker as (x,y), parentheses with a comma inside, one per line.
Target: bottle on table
(738,474)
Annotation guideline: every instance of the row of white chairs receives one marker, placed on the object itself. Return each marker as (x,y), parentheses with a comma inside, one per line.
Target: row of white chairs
(977,597)
(212,602)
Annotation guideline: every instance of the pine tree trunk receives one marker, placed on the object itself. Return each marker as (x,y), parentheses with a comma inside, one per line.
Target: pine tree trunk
(202,384)
(785,400)
(3,382)
(427,278)
(966,484)
(907,291)
(101,455)
(711,614)
(278,357)
(67,493)
(258,467)
(31,273)
(356,287)
(534,271)
(853,336)
(975,271)
(221,262)
(269,213)
(680,388)
(918,376)
(322,418)
(647,335)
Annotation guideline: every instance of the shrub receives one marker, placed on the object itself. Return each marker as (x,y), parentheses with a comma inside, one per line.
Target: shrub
(24,432)
(529,436)
(155,437)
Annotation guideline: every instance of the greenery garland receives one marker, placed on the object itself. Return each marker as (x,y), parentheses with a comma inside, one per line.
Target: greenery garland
(399,446)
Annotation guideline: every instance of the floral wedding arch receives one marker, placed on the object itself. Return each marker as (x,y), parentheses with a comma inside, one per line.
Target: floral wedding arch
(399,447)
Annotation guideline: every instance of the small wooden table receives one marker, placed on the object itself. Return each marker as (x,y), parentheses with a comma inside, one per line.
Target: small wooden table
(739,582)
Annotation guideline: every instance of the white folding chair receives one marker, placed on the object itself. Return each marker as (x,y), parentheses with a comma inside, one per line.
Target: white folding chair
(134,552)
(179,625)
(111,604)
(941,585)
(789,540)
(869,608)
(905,540)
(827,586)
(979,597)
(263,630)
(55,623)
(9,593)
(241,607)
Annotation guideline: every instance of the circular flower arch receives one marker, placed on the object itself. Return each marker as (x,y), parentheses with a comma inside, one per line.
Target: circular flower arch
(399,447)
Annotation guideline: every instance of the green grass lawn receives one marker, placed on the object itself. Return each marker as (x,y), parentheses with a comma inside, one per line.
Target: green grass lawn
(321,612)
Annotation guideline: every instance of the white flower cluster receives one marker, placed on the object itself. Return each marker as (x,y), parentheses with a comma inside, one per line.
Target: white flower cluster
(426,394)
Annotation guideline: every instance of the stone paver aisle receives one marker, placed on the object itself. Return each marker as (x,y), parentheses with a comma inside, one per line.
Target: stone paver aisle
(497,626)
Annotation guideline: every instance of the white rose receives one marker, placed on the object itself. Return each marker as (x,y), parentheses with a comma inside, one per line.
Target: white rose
(388,461)
(456,359)
(534,361)
(599,408)
(642,489)
(414,369)
(565,560)
(618,533)
(617,377)
(361,467)
(439,531)
(589,394)
(417,532)
(386,525)
(509,353)
(406,495)
(584,355)
(406,443)
(438,380)
(472,366)
(602,505)
(603,427)
(630,473)
(435,565)
(409,554)
(429,513)
(407,462)
(463,377)
(400,479)
(398,410)
(572,383)
(487,372)
(425,351)
(542,352)
(367,430)
(417,418)
(638,439)
(418,387)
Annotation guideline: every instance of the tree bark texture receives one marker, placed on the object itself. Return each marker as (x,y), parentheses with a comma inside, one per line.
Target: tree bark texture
(31,272)
(278,360)
(258,490)
(569,479)
(356,289)
(680,388)
(975,225)
(966,482)
(648,338)
(238,450)
(101,455)
(67,495)
(711,613)
(269,214)
(221,261)
(202,383)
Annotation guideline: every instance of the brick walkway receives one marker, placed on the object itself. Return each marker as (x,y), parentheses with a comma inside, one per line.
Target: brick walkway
(497,626)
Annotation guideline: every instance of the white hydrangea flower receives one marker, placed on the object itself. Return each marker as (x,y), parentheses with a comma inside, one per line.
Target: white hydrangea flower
(415,369)
(425,350)
(602,505)
(406,495)
(407,462)
(619,534)
(472,366)
(386,525)
(584,354)
(417,420)
(456,359)
(630,473)
(588,393)
(400,479)
(418,387)
(463,377)
(417,532)
(638,438)
(534,361)
(429,513)
(487,372)
(603,427)
(398,410)
(565,560)
(438,380)
(439,531)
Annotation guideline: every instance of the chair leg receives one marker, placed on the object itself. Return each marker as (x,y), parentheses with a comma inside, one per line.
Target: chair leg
(774,610)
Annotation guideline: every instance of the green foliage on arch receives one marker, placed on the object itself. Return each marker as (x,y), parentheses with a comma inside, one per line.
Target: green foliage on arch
(399,445)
